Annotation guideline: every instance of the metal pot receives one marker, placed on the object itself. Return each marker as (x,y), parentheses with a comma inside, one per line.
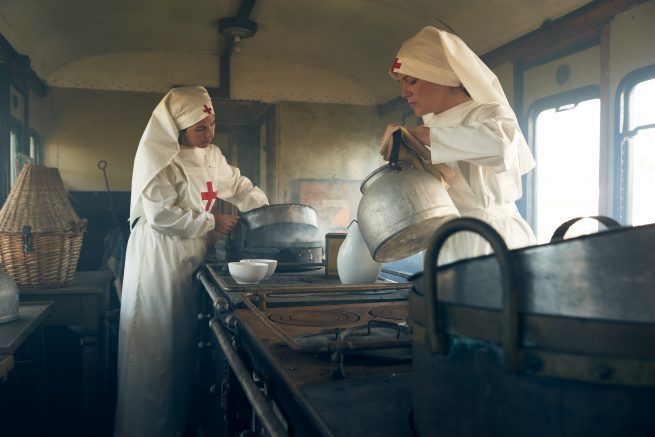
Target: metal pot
(400,209)
(280,213)
(285,232)
(285,223)
(9,301)
(554,339)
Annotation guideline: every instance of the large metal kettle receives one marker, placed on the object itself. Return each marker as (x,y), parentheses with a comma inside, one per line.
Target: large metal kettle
(401,207)
(8,297)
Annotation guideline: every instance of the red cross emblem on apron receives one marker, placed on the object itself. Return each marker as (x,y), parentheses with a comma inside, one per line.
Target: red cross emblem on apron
(209,195)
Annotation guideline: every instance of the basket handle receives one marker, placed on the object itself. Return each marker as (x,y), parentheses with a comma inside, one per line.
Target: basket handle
(510,319)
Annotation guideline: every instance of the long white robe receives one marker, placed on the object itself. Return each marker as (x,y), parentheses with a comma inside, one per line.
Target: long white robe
(481,143)
(159,302)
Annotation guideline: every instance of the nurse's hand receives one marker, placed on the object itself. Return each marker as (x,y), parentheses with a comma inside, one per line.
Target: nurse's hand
(224,223)
(421,133)
(385,144)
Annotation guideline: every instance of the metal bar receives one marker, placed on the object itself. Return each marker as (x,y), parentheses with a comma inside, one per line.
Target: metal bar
(286,338)
(397,273)
(259,403)
(209,287)
(245,9)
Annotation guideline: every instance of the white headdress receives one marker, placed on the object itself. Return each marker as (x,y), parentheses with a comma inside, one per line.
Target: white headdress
(179,109)
(443,58)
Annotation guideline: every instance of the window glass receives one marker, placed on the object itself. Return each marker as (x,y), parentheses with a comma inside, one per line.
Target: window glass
(567,151)
(17,158)
(641,155)
(14,150)
(35,146)
(642,111)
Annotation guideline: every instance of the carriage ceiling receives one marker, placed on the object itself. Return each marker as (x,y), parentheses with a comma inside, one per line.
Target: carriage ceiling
(303,50)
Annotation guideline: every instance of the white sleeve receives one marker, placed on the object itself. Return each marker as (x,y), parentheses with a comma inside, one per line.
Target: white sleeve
(238,189)
(161,210)
(489,136)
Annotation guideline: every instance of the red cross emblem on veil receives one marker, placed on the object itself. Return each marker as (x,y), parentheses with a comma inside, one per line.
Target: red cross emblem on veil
(209,195)
(395,65)
(207,109)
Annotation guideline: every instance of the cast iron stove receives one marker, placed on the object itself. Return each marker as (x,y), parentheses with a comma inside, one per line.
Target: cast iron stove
(333,359)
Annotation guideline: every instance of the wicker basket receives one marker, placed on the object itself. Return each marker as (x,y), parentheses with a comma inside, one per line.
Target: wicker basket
(40,233)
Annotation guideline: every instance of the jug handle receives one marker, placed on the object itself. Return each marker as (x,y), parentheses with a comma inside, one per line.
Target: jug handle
(560,232)
(510,315)
(396,141)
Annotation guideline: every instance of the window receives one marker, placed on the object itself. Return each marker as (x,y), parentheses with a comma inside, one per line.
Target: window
(35,146)
(17,158)
(14,152)
(636,148)
(565,136)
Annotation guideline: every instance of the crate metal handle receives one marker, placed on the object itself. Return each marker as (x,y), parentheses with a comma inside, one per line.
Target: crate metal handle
(436,329)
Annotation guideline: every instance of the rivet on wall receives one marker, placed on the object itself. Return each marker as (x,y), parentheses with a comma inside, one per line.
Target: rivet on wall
(563,74)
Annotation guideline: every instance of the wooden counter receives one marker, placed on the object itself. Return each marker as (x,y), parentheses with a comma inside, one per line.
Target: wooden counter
(22,360)
(14,333)
(80,304)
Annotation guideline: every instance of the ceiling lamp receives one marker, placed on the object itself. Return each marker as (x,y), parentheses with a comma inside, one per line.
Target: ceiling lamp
(235,29)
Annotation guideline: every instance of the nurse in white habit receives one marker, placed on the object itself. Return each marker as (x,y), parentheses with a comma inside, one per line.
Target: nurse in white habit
(469,126)
(178,175)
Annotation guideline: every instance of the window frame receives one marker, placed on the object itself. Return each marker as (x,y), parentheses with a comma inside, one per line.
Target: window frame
(622,134)
(574,96)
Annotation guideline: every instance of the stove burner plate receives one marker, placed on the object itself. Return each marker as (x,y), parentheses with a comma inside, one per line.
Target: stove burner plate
(394,312)
(381,331)
(307,317)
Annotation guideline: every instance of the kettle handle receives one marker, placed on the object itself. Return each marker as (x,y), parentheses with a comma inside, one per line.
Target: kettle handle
(510,314)
(396,142)
(560,232)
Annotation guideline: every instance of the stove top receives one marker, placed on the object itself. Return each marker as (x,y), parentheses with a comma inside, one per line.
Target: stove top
(336,369)
(306,287)
(372,329)
(336,357)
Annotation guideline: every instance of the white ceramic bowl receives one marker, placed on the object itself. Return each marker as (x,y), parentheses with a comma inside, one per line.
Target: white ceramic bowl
(272,264)
(247,272)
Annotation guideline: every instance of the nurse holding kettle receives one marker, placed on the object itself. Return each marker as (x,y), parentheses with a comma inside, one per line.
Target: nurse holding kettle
(468,126)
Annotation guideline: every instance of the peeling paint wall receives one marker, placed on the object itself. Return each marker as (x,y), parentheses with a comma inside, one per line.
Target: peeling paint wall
(88,126)
(324,151)
(326,141)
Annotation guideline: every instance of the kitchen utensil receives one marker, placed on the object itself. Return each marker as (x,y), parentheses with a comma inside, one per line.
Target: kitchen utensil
(271,263)
(247,272)
(354,262)
(287,233)
(401,207)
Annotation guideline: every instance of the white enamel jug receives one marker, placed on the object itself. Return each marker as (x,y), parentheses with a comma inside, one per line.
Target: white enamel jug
(354,262)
